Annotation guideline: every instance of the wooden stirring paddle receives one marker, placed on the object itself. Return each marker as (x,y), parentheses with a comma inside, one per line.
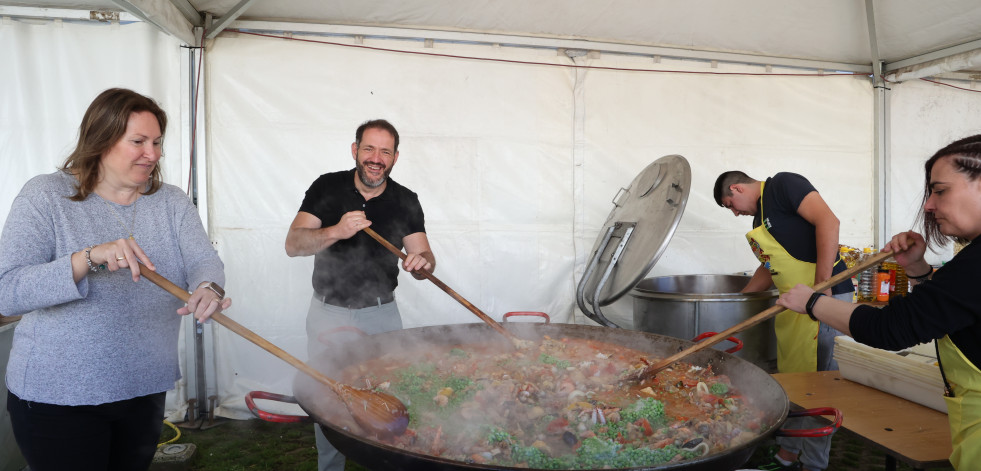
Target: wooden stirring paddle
(376,412)
(484,317)
(762,316)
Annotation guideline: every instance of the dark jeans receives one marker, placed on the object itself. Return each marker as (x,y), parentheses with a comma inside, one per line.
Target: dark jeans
(115,436)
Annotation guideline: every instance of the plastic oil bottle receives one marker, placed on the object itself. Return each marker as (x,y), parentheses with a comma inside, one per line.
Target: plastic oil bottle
(849,255)
(882,285)
(899,283)
(866,280)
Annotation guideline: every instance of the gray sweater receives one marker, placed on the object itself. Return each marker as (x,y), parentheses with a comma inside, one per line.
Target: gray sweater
(104,338)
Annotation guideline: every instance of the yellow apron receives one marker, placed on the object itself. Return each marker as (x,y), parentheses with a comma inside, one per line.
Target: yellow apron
(796,333)
(964,409)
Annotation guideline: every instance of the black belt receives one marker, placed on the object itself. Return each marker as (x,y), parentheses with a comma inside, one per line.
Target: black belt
(357,303)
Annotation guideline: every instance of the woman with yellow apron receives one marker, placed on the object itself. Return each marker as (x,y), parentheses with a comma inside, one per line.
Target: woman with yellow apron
(963,384)
(943,304)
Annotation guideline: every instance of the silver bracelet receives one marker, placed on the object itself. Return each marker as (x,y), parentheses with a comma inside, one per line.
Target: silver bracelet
(88,260)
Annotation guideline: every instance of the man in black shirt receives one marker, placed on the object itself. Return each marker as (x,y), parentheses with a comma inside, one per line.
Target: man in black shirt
(354,276)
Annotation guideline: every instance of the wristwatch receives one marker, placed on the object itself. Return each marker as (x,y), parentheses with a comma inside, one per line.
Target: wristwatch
(214,287)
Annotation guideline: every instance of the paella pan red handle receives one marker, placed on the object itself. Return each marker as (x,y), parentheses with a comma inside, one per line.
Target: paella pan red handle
(705,335)
(814,432)
(272,416)
(526,313)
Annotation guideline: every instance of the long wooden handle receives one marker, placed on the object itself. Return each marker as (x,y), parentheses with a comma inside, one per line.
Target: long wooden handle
(239,329)
(442,285)
(762,316)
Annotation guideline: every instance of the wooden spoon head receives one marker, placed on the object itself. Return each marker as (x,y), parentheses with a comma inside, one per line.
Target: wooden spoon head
(376,412)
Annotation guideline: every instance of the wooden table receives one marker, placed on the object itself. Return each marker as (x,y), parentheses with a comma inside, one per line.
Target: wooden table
(903,430)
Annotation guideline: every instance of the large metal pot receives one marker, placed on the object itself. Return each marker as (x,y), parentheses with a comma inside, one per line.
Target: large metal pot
(316,400)
(687,305)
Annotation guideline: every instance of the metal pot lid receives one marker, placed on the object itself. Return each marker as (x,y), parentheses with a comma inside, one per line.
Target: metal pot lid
(638,229)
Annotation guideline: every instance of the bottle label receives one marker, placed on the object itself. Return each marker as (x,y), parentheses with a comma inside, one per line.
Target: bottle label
(883,290)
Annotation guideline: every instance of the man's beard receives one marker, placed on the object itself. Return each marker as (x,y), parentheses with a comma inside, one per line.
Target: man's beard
(363,176)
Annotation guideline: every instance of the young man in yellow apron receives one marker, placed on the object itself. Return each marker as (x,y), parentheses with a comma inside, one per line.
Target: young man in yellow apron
(795,238)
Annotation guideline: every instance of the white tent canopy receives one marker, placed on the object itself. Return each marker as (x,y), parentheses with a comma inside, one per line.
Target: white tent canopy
(842,34)
(519,122)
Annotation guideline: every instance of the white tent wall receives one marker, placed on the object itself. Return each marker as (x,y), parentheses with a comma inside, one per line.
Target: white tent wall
(924,117)
(515,165)
(58,67)
(54,69)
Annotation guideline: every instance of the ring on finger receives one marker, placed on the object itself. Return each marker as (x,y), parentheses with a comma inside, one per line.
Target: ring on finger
(120,258)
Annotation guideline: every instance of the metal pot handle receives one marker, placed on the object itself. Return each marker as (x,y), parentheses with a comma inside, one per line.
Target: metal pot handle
(814,432)
(705,335)
(272,416)
(527,313)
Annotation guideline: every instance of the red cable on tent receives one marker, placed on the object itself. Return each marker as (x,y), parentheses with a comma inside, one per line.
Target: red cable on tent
(949,85)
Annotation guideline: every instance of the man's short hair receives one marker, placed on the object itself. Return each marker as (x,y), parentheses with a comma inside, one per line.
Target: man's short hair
(376,124)
(726,180)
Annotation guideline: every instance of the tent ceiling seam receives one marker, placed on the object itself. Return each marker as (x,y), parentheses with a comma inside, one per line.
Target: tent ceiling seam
(228,18)
(933,56)
(873,39)
(192,14)
(543,42)
(162,19)
(97,16)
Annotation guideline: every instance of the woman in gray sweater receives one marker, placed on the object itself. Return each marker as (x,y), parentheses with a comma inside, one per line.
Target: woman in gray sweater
(96,348)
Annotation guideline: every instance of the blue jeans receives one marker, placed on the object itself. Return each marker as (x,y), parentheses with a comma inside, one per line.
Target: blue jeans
(321,320)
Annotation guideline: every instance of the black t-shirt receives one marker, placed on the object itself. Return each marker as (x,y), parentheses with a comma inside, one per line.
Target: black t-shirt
(360,268)
(782,195)
(947,304)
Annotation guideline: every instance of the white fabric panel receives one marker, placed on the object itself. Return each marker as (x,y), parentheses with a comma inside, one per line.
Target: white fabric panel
(836,32)
(925,117)
(908,28)
(58,69)
(43,102)
(769,27)
(490,148)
